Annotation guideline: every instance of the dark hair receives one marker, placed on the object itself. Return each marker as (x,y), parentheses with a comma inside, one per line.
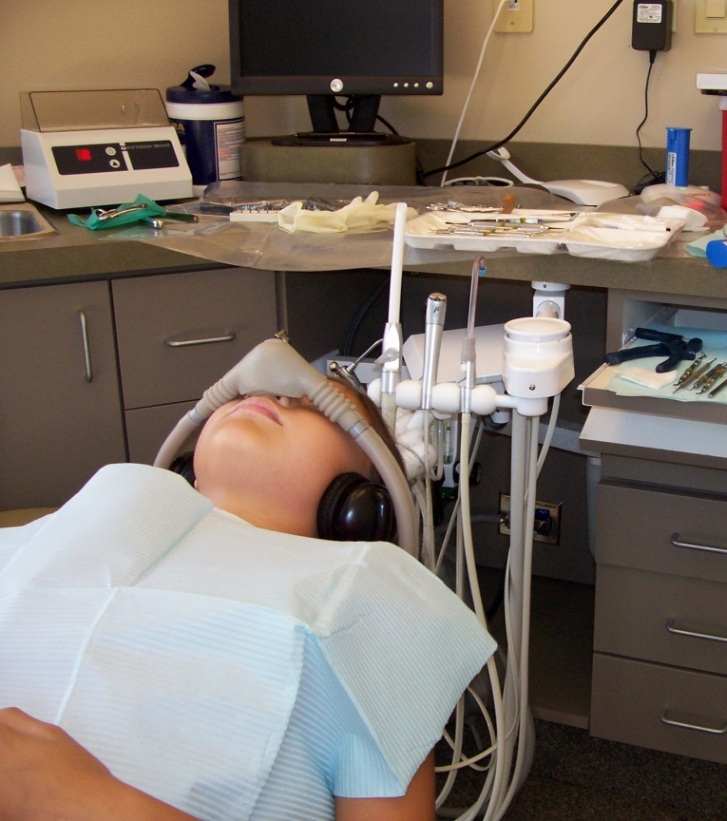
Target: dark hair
(373,416)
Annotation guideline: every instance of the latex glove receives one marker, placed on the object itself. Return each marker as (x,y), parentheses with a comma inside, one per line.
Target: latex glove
(359,214)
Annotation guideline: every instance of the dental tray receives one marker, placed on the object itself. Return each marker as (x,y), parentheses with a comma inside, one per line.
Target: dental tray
(601,235)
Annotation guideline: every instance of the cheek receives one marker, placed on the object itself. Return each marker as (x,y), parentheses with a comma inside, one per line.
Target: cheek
(342,455)
(223,456)
(323,452)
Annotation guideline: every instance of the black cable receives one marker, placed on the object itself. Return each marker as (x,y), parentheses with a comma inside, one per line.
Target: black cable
(652,58)
(387,124)
(360,316)
(652,177)
(536,104)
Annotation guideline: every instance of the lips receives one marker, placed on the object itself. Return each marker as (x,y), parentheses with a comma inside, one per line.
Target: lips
(259,405)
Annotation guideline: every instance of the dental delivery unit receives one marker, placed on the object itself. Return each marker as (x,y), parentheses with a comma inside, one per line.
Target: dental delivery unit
(533,358)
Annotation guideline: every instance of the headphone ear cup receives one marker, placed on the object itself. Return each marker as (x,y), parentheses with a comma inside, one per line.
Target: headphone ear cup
(356,509)
(184,466)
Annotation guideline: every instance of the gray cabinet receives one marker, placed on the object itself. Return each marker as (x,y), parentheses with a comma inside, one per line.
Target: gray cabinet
(97,372)
(179,333)
(660,626)
(59,393)
(660,631)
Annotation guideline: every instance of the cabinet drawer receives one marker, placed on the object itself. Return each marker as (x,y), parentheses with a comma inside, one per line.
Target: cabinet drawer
(178,334)
(663,708)
(662,531)
(147,428)
(662,618)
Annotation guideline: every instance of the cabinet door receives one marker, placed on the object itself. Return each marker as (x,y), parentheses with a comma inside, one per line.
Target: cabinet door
(59,398)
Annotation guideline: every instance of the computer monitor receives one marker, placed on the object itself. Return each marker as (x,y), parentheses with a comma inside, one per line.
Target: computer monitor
(328,49)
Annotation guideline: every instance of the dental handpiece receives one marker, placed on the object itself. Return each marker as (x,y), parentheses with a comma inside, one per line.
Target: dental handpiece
(434,326)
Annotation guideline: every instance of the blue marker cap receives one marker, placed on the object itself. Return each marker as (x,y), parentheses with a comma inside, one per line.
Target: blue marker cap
(717,253)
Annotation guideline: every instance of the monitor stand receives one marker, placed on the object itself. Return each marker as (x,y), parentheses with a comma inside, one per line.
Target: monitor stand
(348,138)
(357,154)
(287,159)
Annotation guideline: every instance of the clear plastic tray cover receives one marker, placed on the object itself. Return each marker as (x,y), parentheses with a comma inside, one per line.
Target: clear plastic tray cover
(91,110)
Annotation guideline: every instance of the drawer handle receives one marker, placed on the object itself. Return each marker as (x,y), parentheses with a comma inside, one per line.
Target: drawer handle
(709,548)
(677,631)
(88,375)
(685,725)
(229,336)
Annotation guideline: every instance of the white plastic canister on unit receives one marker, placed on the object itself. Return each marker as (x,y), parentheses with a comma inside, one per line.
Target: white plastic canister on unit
(210,120)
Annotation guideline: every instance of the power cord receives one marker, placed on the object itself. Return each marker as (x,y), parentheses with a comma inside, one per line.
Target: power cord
(652,177)
(450,165)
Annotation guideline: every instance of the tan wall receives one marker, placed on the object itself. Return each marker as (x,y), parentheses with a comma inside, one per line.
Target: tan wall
(76,44)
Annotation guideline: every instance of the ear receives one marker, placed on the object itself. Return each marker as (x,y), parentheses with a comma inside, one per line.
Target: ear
(356,509)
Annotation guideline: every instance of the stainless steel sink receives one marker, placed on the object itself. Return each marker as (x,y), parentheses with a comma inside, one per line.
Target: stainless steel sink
(22,221)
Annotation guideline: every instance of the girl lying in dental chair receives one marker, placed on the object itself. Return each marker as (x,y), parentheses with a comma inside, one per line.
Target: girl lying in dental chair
(217,659)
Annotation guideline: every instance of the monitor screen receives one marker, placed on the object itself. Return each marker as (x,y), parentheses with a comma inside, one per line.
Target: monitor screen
(360,49)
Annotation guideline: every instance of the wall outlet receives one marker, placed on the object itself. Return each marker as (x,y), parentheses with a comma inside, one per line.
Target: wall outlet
(516,16)
(546,527)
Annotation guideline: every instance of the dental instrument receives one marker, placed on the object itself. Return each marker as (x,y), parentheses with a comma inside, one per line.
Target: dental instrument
(718,389)
(673,346)
(391,347)
(708,380)
(690,370)
(695,375)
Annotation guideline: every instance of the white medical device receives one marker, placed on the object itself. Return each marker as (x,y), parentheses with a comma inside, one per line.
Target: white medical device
(88,148)
(583,192)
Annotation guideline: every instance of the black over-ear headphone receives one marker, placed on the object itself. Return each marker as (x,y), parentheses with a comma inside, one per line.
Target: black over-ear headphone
(353,508)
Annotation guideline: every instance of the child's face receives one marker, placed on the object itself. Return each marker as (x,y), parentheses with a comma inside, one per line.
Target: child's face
(270,459)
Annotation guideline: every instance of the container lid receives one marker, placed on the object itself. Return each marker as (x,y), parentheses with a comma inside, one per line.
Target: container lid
(195,90)
(537,329)
(195,96)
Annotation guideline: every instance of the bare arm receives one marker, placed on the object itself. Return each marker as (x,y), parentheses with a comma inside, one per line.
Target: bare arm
(416,805)
(46,775)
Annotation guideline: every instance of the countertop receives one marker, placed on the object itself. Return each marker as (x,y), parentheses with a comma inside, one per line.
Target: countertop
(75,253)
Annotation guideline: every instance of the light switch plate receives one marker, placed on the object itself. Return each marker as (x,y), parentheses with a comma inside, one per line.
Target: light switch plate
(710,17)
(516,16)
